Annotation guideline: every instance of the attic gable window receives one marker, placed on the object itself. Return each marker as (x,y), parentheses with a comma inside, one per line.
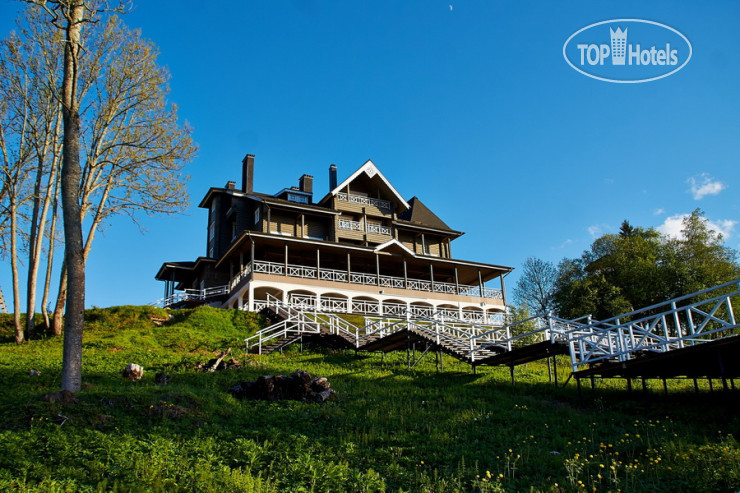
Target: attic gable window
(295,197)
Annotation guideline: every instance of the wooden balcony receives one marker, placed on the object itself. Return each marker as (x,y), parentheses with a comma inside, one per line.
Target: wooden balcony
(363,278)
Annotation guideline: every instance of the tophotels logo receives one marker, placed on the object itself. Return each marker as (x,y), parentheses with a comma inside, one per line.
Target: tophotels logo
(627,51)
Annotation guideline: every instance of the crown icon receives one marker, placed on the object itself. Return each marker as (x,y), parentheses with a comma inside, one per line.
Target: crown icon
(619,45)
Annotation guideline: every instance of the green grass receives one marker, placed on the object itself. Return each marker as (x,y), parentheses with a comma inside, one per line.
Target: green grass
(391,428)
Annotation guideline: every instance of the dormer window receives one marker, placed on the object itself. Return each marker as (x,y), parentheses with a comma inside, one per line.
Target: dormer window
(299,198)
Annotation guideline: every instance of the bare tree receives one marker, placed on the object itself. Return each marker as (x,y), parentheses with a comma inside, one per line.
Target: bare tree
(122,150)
(16,153)
(134,148)
(536,286)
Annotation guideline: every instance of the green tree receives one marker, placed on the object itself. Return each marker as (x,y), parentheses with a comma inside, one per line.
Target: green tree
(697,259)
(640,267)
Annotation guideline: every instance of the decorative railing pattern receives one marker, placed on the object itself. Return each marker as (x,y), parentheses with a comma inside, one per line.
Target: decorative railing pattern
(307,302)
(350,225)
(666,326)
(307,272)
(192,295)
(359,199)
(378,229)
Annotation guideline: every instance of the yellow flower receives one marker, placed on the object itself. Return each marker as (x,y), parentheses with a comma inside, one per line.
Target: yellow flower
(488,474)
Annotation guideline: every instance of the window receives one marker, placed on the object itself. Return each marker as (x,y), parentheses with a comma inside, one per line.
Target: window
(294,197)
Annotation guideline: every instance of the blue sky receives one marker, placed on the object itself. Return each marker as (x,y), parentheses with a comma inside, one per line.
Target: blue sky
(469,105)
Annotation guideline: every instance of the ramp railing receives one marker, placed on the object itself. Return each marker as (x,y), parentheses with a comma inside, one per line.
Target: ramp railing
(659,328)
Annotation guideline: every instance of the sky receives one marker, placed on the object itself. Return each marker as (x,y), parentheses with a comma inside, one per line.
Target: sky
(469,105)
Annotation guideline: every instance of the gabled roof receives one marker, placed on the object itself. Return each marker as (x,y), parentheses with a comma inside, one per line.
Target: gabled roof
(420,214)
(371,171)
(394,244)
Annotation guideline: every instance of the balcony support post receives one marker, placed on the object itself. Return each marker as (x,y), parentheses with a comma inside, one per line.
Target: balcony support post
(457,282)
(285,272)
(431,275)
(480,284)
(503,289)
(377,267)
(405,275)
(318,263)
(349,269)
(251,255)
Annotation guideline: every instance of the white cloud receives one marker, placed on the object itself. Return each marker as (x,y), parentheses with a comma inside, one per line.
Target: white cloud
(658,212)
(597,230)
(704,185)
(673,225)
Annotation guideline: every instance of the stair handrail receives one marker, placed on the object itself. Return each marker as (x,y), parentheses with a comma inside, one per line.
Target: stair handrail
(622,340)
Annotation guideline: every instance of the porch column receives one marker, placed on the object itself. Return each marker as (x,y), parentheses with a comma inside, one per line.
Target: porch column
(318,263)
(431,275)
(251,255)
(503,289)
(241,262)
(349,271)
(480,283)
(250,301)
(303,225)
(269,220)
(377,268)
(457,282)
(285,264)
(405,275)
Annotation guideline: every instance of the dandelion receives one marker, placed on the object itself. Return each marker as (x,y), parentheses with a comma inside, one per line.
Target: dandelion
(488,474)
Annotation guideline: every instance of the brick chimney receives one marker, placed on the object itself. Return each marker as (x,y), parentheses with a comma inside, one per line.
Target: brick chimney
(332,177)
(248,173)
(305,183)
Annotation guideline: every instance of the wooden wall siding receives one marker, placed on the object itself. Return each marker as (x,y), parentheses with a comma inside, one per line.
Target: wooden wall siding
(347,234)
(316,229)
(376,238)
(282,223)
(406,239)
(370,210)
(434,248)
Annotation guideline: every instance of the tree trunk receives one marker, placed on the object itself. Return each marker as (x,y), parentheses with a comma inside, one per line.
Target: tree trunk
(50,266)
(70,180)
(57,323)
(3,308)
(19,338)
(41,204)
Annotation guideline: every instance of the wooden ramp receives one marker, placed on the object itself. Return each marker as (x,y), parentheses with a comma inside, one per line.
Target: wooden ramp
(719,358)
(525,354)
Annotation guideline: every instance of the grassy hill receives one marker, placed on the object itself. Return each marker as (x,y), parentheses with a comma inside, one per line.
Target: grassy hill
(391,428)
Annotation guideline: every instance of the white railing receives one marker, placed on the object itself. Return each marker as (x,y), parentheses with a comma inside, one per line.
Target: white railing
(350,225)
(362,278)
(191,295)
(242,274)
(366,306)
(666,326)
(359,199)
(377,229)
(307,272)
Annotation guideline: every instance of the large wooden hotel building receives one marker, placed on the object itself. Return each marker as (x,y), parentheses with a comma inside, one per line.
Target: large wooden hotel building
(360,249)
